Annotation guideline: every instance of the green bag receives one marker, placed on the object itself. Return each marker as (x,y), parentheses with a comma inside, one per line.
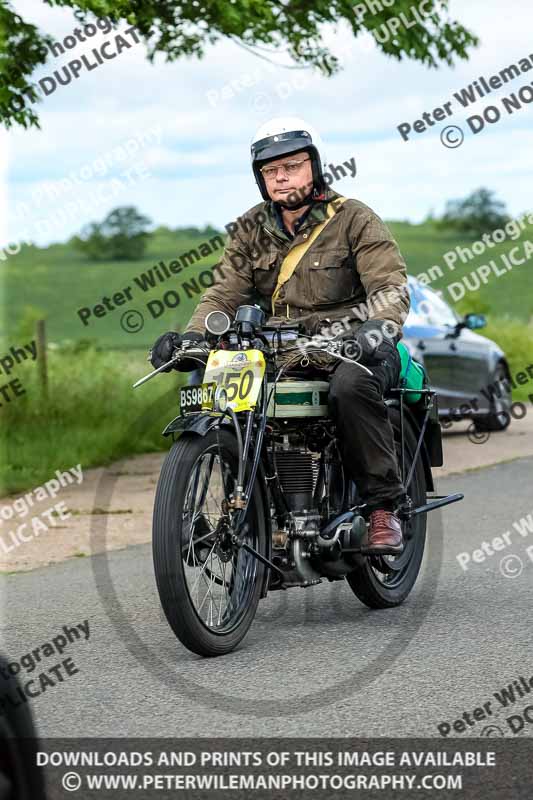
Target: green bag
(412,374)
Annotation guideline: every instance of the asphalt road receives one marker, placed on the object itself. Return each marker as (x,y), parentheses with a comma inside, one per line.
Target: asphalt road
(316,662)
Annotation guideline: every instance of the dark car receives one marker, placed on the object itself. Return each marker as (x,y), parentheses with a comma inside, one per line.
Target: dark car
(469,372)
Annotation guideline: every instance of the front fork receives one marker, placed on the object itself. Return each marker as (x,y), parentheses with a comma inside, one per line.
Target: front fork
(238,504)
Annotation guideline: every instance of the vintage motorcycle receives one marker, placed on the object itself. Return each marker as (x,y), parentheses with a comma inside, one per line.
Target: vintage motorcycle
(253,497)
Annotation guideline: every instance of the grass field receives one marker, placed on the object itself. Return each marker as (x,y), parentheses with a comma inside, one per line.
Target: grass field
(424,246)
(56,282)
(92,416)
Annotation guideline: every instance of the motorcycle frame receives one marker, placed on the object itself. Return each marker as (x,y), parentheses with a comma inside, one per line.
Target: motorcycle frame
(202,422)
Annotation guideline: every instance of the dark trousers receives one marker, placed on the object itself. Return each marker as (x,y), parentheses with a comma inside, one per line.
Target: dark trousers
(364,429)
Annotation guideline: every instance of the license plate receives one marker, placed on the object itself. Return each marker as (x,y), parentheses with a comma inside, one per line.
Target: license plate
(198,397)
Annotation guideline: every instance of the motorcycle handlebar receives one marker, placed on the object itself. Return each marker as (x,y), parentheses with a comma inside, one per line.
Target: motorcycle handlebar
(189,351)
(201,352)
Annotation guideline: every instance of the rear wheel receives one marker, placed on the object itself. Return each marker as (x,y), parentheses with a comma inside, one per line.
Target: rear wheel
(385,581)
(208,586)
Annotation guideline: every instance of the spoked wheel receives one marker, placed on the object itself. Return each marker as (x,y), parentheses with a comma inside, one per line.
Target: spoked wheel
(385,581)
(209,586)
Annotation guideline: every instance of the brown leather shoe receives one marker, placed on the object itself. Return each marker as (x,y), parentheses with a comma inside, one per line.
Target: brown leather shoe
(384,536)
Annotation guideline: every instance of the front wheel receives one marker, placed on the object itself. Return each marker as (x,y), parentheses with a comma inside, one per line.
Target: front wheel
(209,587)
(385,581)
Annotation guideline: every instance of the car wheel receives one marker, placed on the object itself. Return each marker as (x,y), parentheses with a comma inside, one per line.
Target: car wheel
(499,417)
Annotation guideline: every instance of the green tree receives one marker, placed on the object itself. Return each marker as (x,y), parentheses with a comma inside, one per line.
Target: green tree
(209,231)
(122,236)
(22,49)
(194,232)
(180,28)
(477,214)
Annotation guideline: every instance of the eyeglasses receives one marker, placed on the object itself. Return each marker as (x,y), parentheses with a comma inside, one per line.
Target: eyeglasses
(289,167)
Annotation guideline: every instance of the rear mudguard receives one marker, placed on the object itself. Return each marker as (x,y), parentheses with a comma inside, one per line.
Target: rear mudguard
(199,425)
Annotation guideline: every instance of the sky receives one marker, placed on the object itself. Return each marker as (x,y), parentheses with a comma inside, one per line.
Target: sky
(174,139)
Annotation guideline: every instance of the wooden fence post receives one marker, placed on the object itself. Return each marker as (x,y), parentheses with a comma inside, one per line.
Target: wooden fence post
(40,335)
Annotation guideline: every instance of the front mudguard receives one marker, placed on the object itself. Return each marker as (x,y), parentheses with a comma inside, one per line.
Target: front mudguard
(199,425)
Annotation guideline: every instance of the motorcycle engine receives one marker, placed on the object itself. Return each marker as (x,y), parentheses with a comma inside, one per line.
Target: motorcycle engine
(297,469)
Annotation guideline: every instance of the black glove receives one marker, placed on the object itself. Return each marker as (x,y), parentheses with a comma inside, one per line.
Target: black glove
(164,347)
(188,364)
(373,342)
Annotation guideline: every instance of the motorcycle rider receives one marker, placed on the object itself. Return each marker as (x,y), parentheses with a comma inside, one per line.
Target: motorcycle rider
(353,270)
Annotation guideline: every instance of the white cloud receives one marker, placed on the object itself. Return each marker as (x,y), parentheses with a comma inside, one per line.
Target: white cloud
(200,168)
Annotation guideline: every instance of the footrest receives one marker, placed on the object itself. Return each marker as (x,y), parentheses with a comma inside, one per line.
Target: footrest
(436,502)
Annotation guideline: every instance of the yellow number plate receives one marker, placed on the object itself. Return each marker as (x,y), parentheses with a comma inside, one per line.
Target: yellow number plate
(240,373)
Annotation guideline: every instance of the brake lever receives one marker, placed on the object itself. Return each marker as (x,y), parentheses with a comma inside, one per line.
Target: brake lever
(156,372)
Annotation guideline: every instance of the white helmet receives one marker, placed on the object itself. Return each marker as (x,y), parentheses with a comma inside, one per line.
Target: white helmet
(281,136)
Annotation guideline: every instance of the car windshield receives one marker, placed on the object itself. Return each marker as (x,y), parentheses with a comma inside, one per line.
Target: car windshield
(427,308)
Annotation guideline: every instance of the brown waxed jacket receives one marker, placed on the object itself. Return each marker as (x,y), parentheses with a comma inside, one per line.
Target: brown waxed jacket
(353,269)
